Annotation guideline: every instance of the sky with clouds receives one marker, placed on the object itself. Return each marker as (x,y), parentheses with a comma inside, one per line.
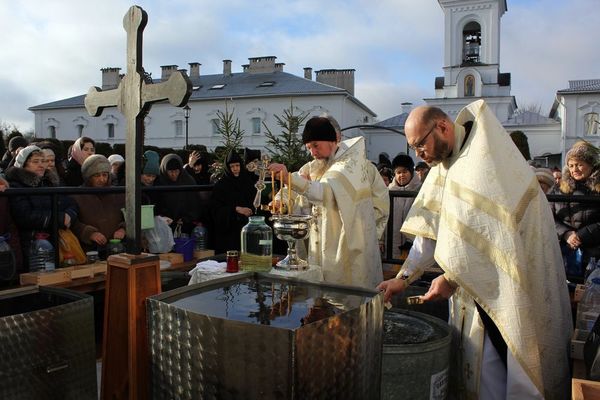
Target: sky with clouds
(54,49)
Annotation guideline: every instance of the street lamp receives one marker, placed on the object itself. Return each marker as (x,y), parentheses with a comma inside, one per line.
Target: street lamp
(186,115)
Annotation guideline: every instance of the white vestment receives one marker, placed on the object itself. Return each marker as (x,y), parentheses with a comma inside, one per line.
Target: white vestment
(350,204)
(495,238)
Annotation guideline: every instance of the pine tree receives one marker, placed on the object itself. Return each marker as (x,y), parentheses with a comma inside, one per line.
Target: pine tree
(232,137)
(287,148)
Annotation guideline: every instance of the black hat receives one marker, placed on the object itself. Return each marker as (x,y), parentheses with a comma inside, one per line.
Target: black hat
(251,155)
(421,165)
(318,128)
(16,142)
(173,164)
(402,160)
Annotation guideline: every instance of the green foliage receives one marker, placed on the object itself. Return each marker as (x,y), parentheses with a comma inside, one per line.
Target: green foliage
(287,147)
(520,140)
(232,136)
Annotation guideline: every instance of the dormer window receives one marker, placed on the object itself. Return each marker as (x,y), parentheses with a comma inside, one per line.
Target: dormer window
(217,87)
(471,43)
(266,84)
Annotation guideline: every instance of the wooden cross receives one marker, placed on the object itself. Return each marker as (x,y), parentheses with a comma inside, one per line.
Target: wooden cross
(134,98)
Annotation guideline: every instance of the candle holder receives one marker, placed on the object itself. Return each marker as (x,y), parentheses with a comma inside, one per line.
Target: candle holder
(290,228)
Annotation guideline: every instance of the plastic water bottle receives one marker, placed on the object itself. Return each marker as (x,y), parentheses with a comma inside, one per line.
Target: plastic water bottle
(589,306)
(591,271)
(115,247)
(199,235)
(41,254)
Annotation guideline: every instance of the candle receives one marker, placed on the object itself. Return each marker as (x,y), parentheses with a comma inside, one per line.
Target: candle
(289,193)
(280,192)
(272,192)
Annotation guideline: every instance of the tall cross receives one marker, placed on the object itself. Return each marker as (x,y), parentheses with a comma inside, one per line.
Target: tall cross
(134,97)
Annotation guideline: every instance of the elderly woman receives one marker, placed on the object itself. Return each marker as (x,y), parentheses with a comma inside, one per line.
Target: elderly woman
(578,224)
(33,213)
(81,149)
(100,216)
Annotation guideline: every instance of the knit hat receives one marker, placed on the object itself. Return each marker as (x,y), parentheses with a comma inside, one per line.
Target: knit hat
(94,164)
(402,160)
(544,175)
(584,151)
(318,128)
(115,158)
(16,142)
(151,163)
(24,155)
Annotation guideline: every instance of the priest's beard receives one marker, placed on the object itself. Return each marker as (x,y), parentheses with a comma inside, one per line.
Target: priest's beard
(318,168)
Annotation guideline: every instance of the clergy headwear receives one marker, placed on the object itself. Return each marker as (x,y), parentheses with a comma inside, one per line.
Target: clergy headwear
(318,129)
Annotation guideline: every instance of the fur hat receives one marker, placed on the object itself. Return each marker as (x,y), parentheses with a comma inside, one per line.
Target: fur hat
(24,155)
(318,128)
(115,158)
(402,160)
(584,151)
(151,163)
(544,175)
(421,165)
(93,165)
(16,142)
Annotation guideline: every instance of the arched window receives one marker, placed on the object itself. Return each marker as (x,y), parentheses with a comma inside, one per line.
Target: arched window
(52,131)
(591,123)
(471,42)
(469,86)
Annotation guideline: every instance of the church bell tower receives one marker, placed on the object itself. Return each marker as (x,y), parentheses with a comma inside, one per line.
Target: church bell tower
(472,58)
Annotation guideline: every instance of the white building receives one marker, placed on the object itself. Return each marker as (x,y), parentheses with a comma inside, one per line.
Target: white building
(255,95)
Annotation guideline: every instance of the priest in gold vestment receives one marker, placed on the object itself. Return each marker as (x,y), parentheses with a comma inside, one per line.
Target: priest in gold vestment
(483,218)
(349,203)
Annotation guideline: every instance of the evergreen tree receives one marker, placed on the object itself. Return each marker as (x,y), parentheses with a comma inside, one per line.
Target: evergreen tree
(232,136)
(287,148)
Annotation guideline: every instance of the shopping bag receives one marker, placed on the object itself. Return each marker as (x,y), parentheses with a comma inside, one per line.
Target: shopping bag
(160,238)
(68,243)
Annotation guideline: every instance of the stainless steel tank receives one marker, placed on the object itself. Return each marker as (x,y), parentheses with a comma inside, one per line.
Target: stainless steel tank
(260,336)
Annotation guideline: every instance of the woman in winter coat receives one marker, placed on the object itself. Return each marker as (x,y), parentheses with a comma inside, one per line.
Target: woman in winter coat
(81,149)
(404,180)
(33,213)
(100,216)
(231,203)
(179,206)
(578,224)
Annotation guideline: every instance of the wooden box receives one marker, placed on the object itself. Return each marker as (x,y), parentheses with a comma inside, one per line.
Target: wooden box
(174,258)
(585,390)
(577,342)
(198,254)
(82,271)
(59,275)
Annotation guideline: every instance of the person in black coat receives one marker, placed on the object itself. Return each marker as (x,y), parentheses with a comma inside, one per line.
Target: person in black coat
(197,167)
(81,149)
(179,206)
(31,213)
(231,203)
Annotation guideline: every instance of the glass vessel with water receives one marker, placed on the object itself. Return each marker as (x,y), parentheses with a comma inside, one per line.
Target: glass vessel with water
(257,245)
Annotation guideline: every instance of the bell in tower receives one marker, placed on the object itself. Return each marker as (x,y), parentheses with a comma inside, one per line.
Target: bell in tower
(471,43)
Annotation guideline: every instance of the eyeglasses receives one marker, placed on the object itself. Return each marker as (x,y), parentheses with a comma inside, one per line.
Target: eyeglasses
(421,145)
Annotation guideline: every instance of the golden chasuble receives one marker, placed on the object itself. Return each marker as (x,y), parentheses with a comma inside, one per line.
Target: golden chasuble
(350,218)
(495,238)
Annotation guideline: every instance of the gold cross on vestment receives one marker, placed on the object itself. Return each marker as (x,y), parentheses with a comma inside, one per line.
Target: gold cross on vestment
(133,98)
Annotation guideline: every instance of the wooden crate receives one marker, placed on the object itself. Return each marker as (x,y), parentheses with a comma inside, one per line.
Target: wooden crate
(582,389)
(59,275)
(198,254)
(173,258)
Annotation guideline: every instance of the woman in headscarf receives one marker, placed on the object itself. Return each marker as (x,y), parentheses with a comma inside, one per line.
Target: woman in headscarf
(197,167)
(181,207)
(81,149)
(231,203)
(578,224)
(100,216)
(33,213)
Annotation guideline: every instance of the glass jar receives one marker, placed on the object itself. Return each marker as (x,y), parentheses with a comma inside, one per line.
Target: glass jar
(115,247)
(233,257)
(92,256)
(257,245)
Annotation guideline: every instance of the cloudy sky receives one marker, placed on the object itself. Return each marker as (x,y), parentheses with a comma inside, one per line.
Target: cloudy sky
(54,49)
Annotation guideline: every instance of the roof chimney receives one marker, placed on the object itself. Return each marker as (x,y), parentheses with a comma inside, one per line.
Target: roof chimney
(227,67)
(264,65)
(194,69)
(406,107)
(308,73)
(341,78)
(110,78)
(166,71)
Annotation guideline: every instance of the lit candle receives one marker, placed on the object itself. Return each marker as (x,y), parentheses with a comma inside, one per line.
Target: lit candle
(272,192)
(281,192)
(289,193)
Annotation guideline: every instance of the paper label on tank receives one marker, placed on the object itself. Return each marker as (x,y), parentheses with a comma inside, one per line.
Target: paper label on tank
(264,242)
(438,388)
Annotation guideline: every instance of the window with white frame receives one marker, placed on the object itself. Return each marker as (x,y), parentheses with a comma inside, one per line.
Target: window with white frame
(52,131)
(591,123)
(256,122)
(110,130)
(178,128)
(79,130)
(215,126)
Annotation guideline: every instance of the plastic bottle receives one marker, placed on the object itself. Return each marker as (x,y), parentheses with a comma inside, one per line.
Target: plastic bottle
(591,271)
(69,259)
(257,245)
(115,247)
(41,254)
(199,235)
(589,306)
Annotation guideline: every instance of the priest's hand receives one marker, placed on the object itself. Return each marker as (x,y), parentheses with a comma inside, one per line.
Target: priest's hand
(440,289)
(277,168)
(391,287)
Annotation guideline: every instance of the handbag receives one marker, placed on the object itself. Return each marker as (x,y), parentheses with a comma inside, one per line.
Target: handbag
(68,243)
